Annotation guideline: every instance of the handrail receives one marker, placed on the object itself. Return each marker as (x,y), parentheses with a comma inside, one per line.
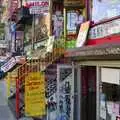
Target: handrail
(104,21)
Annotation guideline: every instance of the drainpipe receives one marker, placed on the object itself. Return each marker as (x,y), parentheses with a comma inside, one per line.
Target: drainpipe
(87,6)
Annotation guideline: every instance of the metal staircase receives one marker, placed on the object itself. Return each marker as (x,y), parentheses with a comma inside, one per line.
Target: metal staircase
(46,64)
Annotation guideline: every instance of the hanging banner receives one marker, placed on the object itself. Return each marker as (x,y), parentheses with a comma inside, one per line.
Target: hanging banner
(38,6)
(35,94)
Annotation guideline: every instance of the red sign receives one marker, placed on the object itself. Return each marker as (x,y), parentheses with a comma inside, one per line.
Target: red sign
(38,7)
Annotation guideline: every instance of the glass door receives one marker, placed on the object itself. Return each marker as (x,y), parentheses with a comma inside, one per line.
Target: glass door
(109,94)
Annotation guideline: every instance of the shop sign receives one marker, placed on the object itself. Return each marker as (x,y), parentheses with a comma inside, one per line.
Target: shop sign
(73,2)
(35,94)
(38,6)
(7,66)
(82,36)
(106,29)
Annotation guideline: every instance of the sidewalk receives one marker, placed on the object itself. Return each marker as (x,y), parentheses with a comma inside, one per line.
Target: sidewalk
(5,112)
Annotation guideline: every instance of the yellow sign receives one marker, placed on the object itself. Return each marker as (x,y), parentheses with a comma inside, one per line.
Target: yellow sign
(35,94)
(73,2)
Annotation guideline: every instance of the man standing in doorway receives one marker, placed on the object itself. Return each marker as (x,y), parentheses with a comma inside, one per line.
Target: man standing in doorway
(79,21)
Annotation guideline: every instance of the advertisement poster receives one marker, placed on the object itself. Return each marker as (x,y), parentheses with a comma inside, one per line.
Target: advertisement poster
(35,94)
(50,43)
(71,20)
(82,36)
(65,90)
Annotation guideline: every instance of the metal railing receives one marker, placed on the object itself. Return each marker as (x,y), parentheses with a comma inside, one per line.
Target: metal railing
(35,65)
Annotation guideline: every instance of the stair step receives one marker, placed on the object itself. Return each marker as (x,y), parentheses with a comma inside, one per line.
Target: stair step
(50,76)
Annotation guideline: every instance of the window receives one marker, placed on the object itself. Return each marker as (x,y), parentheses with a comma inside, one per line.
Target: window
(110,94)
(106,9)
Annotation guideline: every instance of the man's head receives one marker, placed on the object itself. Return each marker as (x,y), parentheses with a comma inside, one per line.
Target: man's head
(79,12)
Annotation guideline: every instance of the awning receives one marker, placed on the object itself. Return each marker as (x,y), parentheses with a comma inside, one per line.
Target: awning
(106,51)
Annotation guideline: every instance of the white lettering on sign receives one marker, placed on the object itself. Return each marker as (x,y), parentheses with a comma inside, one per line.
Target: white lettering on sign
(38,6)
(7,66)
(104,30)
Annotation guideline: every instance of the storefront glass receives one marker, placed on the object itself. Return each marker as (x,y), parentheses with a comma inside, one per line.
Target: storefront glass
(110,94)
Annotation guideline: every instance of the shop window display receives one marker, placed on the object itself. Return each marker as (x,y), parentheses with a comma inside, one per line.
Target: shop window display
(109,100)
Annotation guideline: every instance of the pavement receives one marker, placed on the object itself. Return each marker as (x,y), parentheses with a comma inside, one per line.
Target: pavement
(5,112)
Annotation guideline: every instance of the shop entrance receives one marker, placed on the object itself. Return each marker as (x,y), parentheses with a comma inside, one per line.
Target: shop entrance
(88,93)
(109,94)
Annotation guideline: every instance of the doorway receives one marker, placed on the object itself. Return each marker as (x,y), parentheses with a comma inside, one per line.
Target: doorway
(88,93)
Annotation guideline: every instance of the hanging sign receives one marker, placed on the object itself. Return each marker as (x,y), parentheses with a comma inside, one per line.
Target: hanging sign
(7,66)
(82,36)
(38,6)
(35,94)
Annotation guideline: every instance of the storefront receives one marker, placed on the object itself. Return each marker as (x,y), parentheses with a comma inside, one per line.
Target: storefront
(100,84)
(99,66)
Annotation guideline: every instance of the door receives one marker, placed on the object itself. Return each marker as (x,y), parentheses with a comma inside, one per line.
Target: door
(67,92)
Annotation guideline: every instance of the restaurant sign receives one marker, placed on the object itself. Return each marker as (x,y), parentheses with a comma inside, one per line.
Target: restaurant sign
(104,30)
(38,6)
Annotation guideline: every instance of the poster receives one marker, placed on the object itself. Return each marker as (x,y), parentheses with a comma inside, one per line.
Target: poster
(35,94)
(71,20)
(50,43)
(65,91)
(83,32)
